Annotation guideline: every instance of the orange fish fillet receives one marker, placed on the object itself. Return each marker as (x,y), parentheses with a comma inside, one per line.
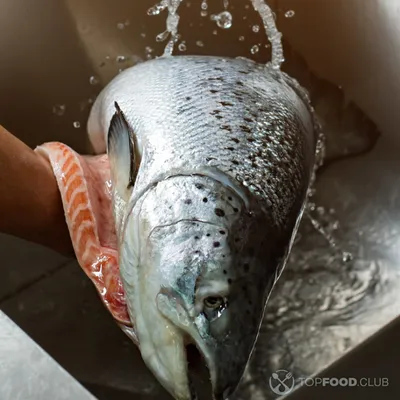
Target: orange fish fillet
(85,188)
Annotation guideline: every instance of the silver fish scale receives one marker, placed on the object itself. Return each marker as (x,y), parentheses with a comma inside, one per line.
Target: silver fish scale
(191,114)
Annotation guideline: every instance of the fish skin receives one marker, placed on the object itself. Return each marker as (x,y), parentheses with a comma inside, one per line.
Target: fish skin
(239,135)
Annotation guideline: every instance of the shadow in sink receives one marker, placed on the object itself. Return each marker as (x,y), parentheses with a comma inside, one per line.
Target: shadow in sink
(109,393)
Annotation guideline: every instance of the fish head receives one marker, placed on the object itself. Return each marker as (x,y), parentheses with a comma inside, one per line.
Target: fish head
(200,281)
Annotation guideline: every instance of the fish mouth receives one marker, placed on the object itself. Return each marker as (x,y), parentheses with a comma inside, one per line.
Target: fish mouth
(184,363)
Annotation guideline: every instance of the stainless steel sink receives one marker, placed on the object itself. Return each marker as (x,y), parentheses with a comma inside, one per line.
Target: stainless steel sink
(58,55)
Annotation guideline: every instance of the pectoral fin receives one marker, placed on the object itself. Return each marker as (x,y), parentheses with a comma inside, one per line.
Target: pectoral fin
(122,154)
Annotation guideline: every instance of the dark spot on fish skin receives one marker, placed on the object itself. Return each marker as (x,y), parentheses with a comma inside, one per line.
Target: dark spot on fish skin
(197,252)
(230,170)
(235,140)
(188,201)
(229,281)
(215,112)
(226,128)
(239,83)
(229,198)
(244,72)
(237,240)
(222,232)
(219,212)
(213,91)
(230,148)
(220,78)
(223,255)
(249,120)
(245,128)
(226,104)
(188,98)
(209,159)
(235,209)
(246,267)
(218,69)
(235,162)
(196,238)
(199,186)
(251,140)
(224,271)
(219,116)
(208,235)
(216,244)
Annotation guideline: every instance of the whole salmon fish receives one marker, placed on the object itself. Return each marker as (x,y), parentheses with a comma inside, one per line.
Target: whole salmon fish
(210,160)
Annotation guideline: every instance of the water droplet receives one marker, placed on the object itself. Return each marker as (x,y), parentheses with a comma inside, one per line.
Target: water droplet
(215,32)
(226,4)
(256,28)
(59,109)
(223,20)
(182,46)
(148,50)
(241,38)
(289,14)
(120,25)
(200,43)
(347,257)
(204,13)
(143,35)
(204,5)
(120,59)
(76,124)
(155,10)
(93,80)
(161,37)
(255,49)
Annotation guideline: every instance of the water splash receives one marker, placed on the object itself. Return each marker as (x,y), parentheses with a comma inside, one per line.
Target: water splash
(274,36)
(204,8)
(171,25)
(255,49)
(289,14)
(93,80)
(223,19)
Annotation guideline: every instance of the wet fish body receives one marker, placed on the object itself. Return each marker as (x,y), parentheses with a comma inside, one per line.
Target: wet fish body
(211,160)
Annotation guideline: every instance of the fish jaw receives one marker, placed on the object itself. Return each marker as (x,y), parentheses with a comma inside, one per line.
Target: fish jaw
(161,343)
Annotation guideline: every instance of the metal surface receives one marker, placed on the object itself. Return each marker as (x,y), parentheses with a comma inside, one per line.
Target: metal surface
(27,372)
(369,380)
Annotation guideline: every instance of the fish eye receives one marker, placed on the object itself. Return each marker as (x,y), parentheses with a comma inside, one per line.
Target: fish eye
(213,302)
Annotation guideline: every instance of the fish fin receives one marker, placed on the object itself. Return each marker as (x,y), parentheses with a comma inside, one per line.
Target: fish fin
(122,154)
